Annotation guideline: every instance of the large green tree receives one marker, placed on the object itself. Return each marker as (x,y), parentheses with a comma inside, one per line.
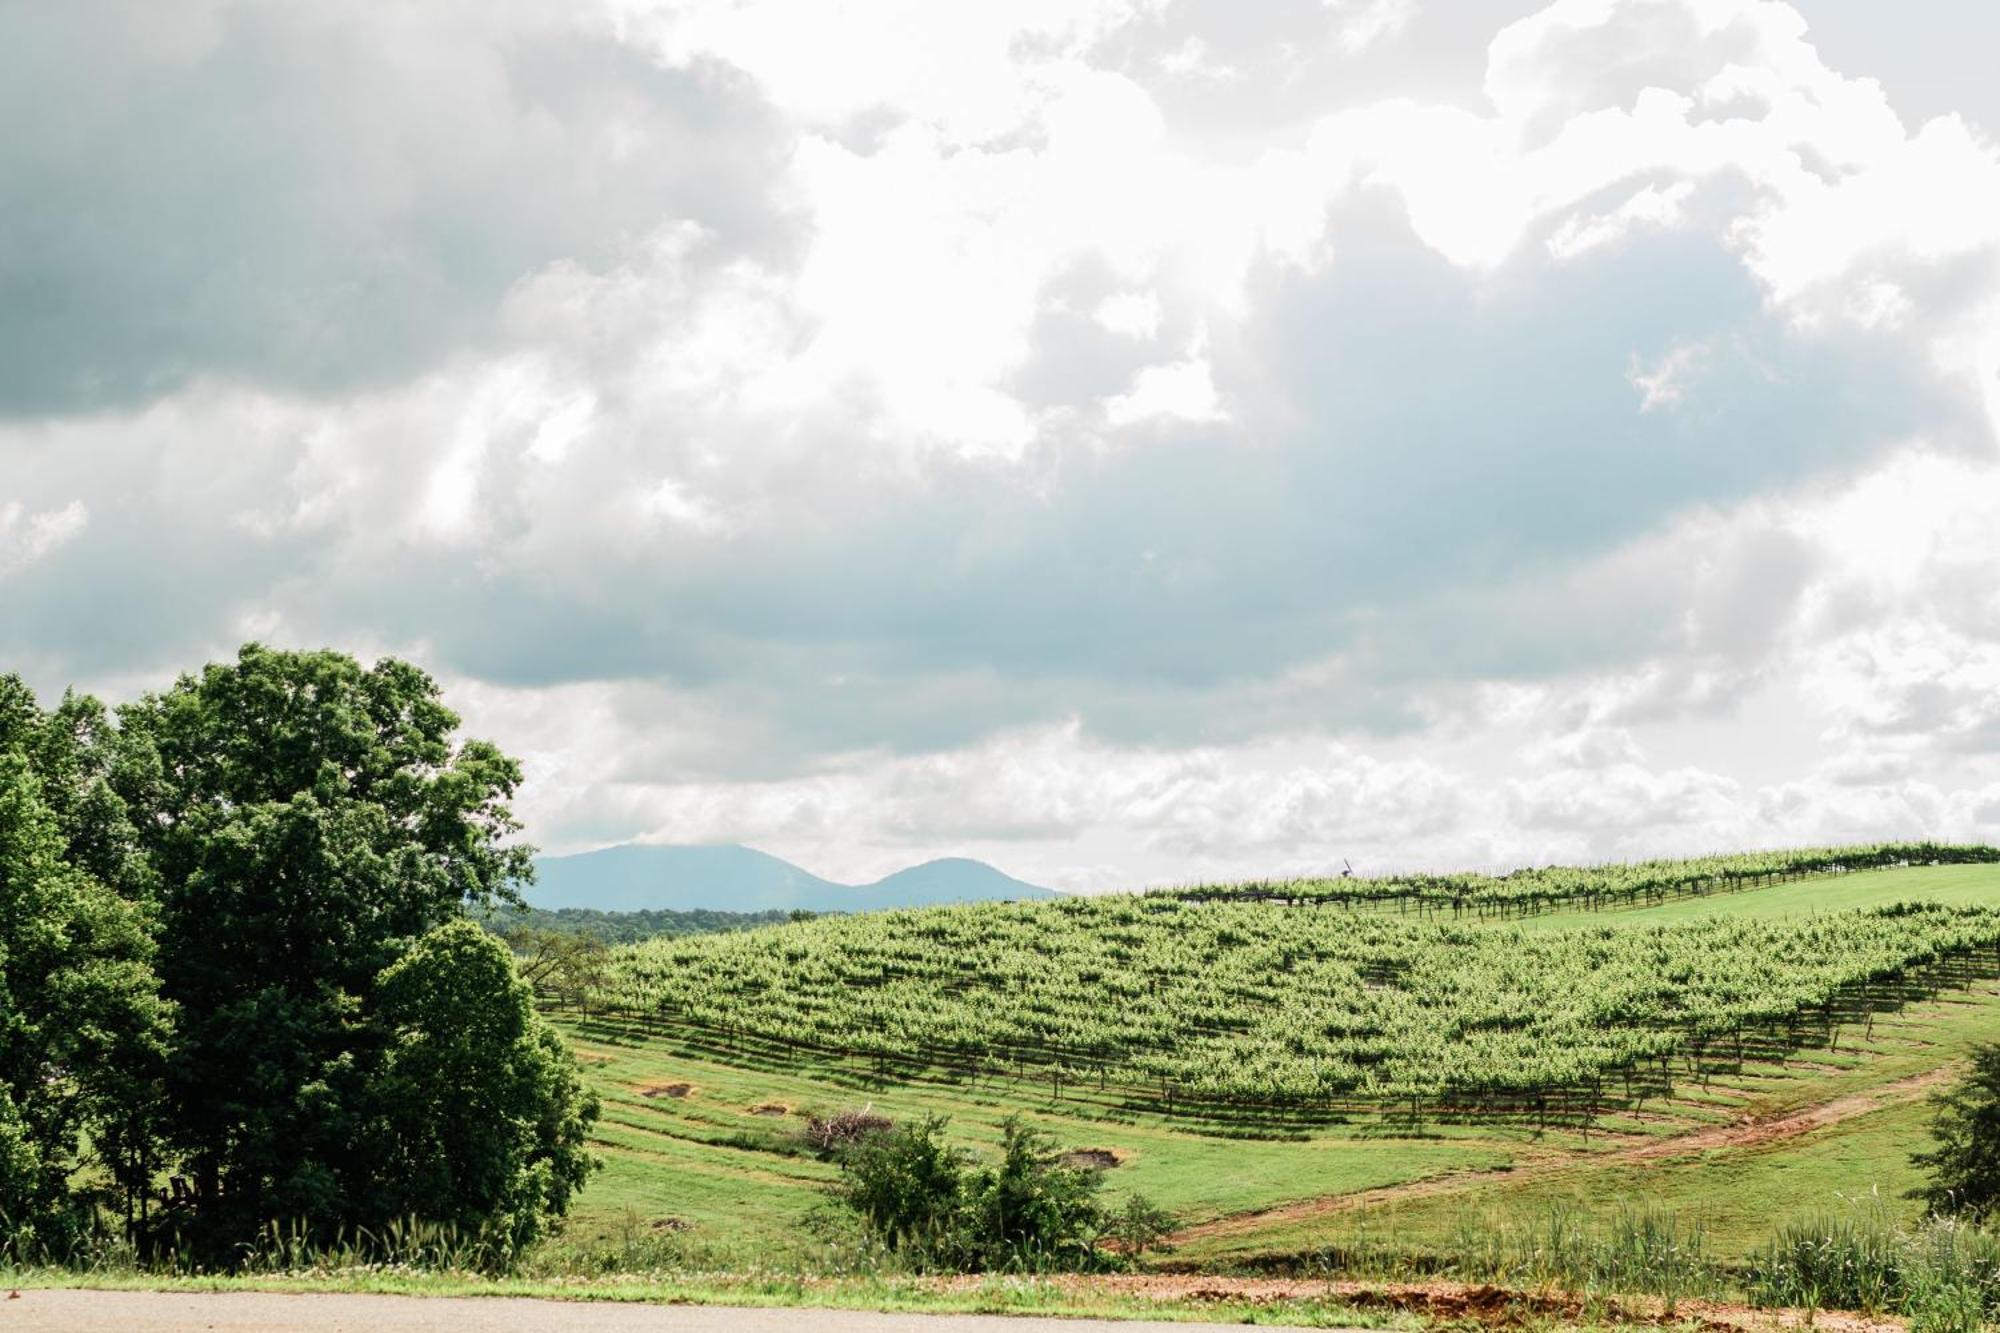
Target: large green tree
(81,1023)
(306,820)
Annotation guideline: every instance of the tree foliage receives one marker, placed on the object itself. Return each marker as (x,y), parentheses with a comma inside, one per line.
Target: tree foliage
(938,1206)
(306,819)
(1964,1167)
(566,965)
(81,1024)
(631,927)
(234,960)
(480,1116)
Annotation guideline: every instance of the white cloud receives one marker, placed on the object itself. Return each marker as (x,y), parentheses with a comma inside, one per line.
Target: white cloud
(1652,206)
(28,537)
(1181,390)
(1133,314)
(1360,24)
(975,73)
(1666,383)
(1190,59)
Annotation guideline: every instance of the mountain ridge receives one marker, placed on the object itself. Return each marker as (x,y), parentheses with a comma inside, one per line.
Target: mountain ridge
(731,877)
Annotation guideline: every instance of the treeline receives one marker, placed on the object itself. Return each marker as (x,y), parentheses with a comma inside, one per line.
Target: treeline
(238,985)
(629,927)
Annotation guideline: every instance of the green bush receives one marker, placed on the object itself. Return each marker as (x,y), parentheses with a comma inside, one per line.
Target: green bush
(935,1206)
(908,1186)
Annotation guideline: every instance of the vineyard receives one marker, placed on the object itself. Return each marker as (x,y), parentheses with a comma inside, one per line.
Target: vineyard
(1252,1009)
(1591,888)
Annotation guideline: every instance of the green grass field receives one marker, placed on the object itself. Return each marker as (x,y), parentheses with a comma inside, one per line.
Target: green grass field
(722,1164)
(711,1158)
(1956,886)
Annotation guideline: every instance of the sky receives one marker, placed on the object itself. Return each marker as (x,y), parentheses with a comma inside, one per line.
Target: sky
(1129,441)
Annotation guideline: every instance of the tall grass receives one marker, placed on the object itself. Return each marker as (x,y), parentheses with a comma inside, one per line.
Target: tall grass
(1640,1251)
(1944,1275)
(408,1244)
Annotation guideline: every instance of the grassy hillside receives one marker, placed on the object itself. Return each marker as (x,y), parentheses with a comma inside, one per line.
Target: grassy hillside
(1260,1013)
(702,1125)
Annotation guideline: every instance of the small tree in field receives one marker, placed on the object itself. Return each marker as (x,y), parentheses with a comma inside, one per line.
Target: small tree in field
(480,1115)
(1965,1166)
(566,965)
(1141,1225)
(938,1207)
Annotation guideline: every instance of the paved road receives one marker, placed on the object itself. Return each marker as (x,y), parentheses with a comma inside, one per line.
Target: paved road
(269,1312)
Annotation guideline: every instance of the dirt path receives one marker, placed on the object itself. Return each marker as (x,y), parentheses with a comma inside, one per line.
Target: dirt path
(1749,1132)
(1477,1304)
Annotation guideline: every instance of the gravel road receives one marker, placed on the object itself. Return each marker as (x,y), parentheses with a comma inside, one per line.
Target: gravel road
(267,1312)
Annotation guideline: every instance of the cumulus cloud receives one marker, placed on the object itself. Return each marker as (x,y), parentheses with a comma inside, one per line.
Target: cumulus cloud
(26,538)
(1181,390)
(1142,440)
(324,197)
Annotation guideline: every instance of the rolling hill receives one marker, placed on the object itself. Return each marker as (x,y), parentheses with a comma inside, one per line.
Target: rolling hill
(704,1071)
(634,877)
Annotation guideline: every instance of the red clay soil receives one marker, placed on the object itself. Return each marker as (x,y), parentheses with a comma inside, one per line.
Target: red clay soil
(678,1090)
(1469,1303)
(1749,1132)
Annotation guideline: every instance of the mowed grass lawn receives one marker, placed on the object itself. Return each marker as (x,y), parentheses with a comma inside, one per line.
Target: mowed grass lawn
(726,1155)
(1738,1196)
(1958,886)
(723,1164)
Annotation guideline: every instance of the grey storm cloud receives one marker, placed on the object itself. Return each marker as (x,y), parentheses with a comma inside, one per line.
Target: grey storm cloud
(322,198)
(1425,463)
(1423,457)
(1925,77)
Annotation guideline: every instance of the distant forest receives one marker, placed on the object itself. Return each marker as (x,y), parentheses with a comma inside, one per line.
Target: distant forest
(631,927)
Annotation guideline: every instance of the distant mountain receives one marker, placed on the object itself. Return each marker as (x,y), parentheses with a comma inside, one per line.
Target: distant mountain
(633,877)
(951,879)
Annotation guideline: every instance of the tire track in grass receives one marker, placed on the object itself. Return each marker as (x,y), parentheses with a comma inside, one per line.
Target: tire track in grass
(1747,1132)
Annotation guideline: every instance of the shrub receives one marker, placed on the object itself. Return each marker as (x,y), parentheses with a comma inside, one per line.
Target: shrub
(1140,1225)
(935,1206)
(1965,1166)
(1032,1212)
(832,1134)
(908,1186)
